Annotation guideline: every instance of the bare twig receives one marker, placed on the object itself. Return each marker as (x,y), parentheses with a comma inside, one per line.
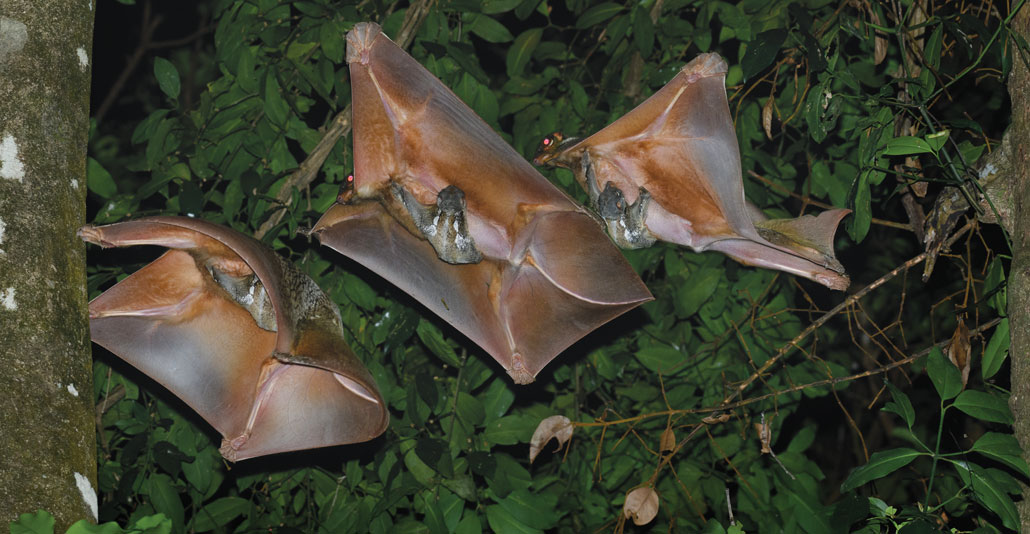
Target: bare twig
(112,397)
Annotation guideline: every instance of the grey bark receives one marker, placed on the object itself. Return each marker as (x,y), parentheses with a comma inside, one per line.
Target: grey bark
(47,433)
(1019,276)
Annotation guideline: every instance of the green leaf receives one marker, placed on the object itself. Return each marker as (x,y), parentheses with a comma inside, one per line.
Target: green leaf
(153,524)
(984,406)
(995,286)
(880,465)
(850,509)
(936,141)
(167,77)
(932,50)
(987,490)
(814,113)
(426,388)
(532,510)
(1004,448)
(702,285)
(83,526)
(40,522)
(99,181)
(762,51)
(434,517)
(598,14)
(469,524)
(332,40)
(276,108)
(997,350)
(165,499)
(470,409)
(219,512)
(497,399)
(643,31)
(491,7)
(947,379)
(660,359)
(510,429)
(434,341)
(489,29)
(436,455)
(521,50)
(357,291)
(858,225)
(906,145)
(502,522)
(811,514)
(900,405)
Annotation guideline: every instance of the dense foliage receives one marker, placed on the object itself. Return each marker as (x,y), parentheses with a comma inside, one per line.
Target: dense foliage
(735,395)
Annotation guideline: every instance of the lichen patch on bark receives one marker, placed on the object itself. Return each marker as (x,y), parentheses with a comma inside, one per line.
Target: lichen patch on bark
(7,299)
(89,495)
(13,35)
(10,164)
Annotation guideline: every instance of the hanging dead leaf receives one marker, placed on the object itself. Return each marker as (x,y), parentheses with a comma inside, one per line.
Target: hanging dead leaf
(767,116)
(641,505)
(764,435)
(958,350)
(557,426)
(668,442)
(713,419)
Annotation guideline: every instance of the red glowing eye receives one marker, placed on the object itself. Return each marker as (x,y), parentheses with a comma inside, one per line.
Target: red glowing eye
(547,141)
(350,178)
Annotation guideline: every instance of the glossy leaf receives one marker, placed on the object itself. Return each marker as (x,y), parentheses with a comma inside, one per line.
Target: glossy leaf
(762,51)
(880,464)
(901,405)
(219,512)
(987,489)
(1004,448)
(947,379)
(597,14)
(984,406)
(906,145)
(167,77)
(997,350)
(98,180)
(521,50)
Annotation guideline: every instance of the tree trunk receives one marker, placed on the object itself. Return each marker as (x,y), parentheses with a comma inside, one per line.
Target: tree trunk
(1019,277)
(47,432)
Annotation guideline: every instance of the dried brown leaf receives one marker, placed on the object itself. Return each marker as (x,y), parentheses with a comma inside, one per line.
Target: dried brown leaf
(668,442)
(641,505)
(958,350)
(557,426)
(765,436)
(713,419)
(767,117)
